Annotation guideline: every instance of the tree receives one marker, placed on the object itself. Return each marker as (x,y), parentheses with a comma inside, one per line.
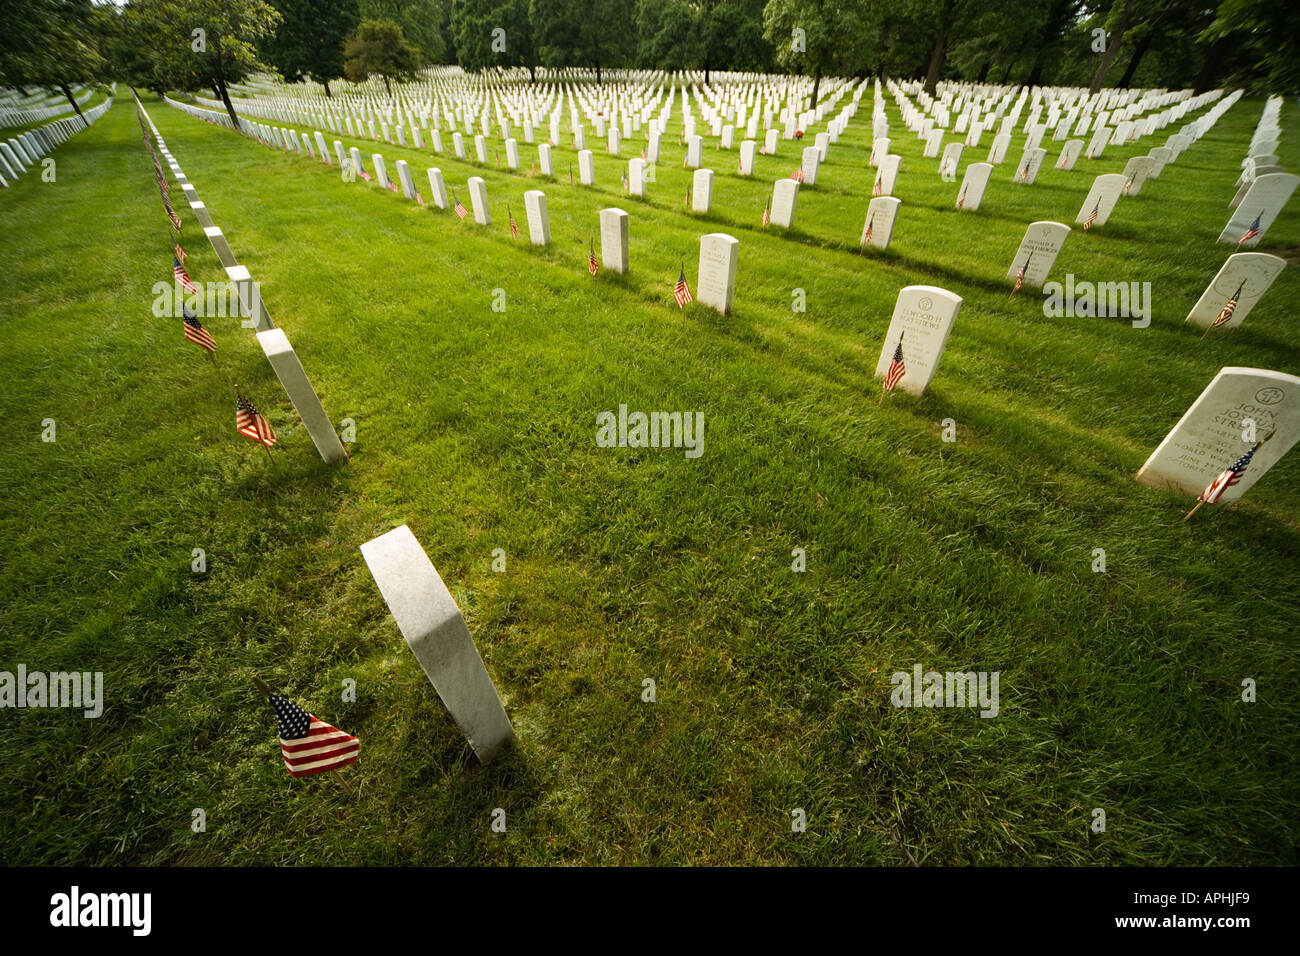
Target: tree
(379,46)
(1267,36)
(1116,23)
(821,37)
(732,35)
(51,44)
(669,35)
(422,23)
(582,33)
(479,47)
(202,43)
(309,40)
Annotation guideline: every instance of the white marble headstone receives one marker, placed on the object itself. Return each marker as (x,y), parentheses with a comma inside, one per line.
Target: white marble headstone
(1038,251)
(1101,199)
(878,226)
(923,317)
(613,240)
(716,282)
(1262,203)
(1245,276)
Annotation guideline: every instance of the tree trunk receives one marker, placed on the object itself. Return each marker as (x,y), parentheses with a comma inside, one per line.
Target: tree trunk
(1213,60)
(1138,52)
(387,89)
(817,83)
(1113,44)
(326,84)
(532,72)
(71,99)
(984,71)
(940,51)
(225,98)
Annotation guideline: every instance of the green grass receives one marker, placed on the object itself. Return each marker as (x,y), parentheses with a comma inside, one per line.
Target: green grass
(1119,690)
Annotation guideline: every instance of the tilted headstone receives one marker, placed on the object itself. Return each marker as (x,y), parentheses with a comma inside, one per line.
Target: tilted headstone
(284,361)
(973,185)
(1038,251)
(1101,199)
(1237,408)
(1069,154)
(923,318)
(878,226)
(1243,280)
(1261,205)
(1136,171)
(1031,161)
(435,630)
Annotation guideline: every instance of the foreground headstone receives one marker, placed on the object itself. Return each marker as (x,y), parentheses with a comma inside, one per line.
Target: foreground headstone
(716,278)
(1256,212)
(923,318)
(1101,199)
(435,631)
(284,361)
(1242,281)
(539,221)
(878,227)
(613,240)
(785,196)
(1038,251)
(1240,406)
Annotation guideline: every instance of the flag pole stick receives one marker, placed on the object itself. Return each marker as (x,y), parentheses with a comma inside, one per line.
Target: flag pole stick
(343,783)
(1194,510)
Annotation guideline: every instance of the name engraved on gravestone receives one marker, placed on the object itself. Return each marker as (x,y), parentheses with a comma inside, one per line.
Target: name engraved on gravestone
(1037,252)
(923,316)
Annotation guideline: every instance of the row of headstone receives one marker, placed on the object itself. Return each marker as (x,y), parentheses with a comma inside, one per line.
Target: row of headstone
(24,150)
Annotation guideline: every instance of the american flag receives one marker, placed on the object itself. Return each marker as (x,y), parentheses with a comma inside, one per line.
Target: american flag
(392,185)
(1252,232)
(459,207)
(532,169)
(1092,216)
(1230,307)
(250,422)
(878,188)
(1128,185)
(514,226)
(570,174)
(418,198)
(866,233)
(182,277)
(798,174)
(176,220)
(1020,276)
(364,175)
(896,369)
(961,200)
(309,745)
(682,292)
(178,252)
(196,333)
(740,167)
(1024,173)
(767,213)
(625,182)
(1230,477)
(688,197)
(592,265)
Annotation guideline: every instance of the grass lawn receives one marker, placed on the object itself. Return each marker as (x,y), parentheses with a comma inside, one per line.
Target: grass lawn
(1119,691)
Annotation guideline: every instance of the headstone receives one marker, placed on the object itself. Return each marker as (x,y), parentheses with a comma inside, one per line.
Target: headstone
(888,174)
(381,171)
(998,151)
(1101,199)
(404,179)
(728,138)
(879,150)
(950,161)
(357,168)
(1211,435)
(932,143)
(458,145)
(785,195)
(615,141)
(544,159)
(1097,145)
(716,279)
(1038,251)
(284,361)
(586,167)
(480,148)
(613,240)
(539,222)
(811,159)
(437,188)
(747,150)
(636,176)
(478,198)
(1136,171)
(878,227)
(435,139)
(973,185)
(324,151)
(1031,161)
(923,318)
(702,190)
(1261,205)
(1242,280)
(512,154)
(434,629)
(1069,154)
(770,140)
(693,147)
(822,142)
(1159,156)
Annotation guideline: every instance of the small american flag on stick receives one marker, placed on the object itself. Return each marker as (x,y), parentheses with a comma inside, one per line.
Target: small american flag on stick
(1229,477)
(767,212)
(866,233)
(798,174)
(250,423)
(308,745)
(196,333)
(1020,276)
(682,292)
(459,207)
(1252,232)
(896,368)
(1092,216)
(592,265)
(878,187)
(183,277)
(514,226)
(1229,307)
(961,200)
